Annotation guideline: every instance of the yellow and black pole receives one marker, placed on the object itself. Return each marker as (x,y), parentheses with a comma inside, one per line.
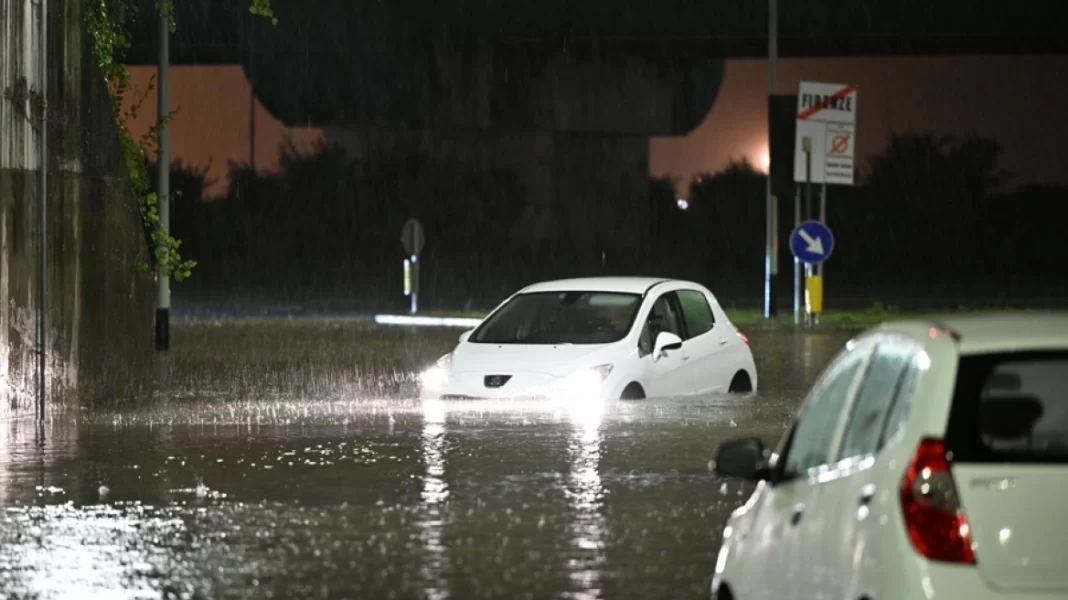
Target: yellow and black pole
(813,295)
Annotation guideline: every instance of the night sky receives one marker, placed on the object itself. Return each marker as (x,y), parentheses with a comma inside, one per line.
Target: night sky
(1018,100)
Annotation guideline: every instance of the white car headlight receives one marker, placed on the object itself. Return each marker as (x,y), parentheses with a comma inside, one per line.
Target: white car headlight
(585,383)
(437,376)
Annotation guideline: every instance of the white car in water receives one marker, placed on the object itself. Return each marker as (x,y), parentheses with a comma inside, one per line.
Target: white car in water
(598,337)
(930,460)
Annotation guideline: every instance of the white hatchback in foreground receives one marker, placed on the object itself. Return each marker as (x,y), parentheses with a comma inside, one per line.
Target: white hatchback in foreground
(598,337)
(930,460)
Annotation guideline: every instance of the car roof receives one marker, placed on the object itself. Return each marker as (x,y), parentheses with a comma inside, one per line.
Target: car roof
(979,333)
(631,285)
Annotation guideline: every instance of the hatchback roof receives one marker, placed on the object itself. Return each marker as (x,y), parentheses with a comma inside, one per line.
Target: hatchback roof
(984,332)
(631,285)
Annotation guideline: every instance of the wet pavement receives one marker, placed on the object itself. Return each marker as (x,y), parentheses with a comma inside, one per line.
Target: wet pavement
(230,492)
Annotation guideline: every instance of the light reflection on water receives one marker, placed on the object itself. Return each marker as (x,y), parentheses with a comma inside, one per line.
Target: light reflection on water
(585,494)
(435,492)
(99,552)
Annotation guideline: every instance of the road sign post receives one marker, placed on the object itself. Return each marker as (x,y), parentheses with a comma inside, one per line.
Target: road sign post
(413,240)
(825,143)
(806,148)
(813,243)
(797,261)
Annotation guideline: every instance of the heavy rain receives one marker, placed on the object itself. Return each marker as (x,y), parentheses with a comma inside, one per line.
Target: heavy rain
(465,301)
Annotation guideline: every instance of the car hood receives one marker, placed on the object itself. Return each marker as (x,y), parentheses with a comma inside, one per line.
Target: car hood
(530,358)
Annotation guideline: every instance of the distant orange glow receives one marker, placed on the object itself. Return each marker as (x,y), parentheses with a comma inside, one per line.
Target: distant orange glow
(764,161)
(211,126)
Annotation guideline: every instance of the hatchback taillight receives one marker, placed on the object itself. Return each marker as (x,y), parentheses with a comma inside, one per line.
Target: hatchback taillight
(744,339)
(934,517)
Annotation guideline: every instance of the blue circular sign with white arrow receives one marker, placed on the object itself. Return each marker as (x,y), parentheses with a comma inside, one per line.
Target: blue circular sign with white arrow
(812,242)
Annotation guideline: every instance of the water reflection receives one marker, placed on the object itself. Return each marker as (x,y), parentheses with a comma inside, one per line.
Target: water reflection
(28,449)
(585,496)
(435,492)
(810,354)
(54,543)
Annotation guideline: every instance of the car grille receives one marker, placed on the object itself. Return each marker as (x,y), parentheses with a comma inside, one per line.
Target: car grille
(495,381)
(539,397)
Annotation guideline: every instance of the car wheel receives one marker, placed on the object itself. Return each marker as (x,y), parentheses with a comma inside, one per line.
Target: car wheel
(741,384)
(633,391)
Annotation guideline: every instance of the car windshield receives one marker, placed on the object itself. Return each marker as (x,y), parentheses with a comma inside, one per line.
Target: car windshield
(1011,408)
(560,318)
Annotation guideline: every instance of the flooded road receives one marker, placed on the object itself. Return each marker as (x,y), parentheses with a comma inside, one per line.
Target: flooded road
(283,461)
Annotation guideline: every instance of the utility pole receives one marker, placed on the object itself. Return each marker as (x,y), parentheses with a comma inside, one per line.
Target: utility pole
(771,259)
(163,281)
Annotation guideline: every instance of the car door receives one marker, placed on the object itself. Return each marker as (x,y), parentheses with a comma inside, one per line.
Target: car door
(662,373)
(851,509)
(706,366)
(780,561)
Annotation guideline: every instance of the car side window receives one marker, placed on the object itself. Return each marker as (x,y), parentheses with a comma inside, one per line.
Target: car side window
(874,399)
(662,317)
(810,446)
(899,409)
(696,312)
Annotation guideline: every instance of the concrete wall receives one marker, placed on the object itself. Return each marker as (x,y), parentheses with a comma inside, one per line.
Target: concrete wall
(99,306)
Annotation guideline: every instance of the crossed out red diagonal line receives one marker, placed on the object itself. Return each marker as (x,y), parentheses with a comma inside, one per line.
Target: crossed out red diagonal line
(842,93)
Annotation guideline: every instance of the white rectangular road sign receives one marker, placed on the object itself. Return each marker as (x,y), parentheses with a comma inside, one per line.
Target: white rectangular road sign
(827,114)
(838,164)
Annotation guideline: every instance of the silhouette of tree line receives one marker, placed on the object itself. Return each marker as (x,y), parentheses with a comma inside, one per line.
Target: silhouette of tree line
(934,222)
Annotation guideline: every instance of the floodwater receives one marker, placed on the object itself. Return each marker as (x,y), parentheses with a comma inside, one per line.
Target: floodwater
(232,485)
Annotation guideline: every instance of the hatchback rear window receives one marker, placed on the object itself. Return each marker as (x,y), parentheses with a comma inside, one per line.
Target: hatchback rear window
(1010,407)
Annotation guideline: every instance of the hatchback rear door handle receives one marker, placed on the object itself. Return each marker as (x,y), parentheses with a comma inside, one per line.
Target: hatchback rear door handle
(723,341)
(866,493)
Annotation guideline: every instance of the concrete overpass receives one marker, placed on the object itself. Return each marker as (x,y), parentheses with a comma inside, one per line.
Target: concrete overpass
(565,92)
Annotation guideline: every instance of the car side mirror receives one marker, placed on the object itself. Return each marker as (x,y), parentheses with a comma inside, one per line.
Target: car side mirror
(465,335)
(665,340)
(744,458)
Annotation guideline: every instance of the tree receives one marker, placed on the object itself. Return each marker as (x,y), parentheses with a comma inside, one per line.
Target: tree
(922,168)
(188,183)
(933,187)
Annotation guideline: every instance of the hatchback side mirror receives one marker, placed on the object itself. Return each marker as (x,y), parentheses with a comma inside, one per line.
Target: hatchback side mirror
(744,458)
(665,340)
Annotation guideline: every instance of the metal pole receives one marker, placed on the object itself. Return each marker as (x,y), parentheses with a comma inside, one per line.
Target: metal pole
(808,178)
(820,267)
(163,281)
(42,213)
(807,144)
(797,261)
(823,213)
(771,266)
